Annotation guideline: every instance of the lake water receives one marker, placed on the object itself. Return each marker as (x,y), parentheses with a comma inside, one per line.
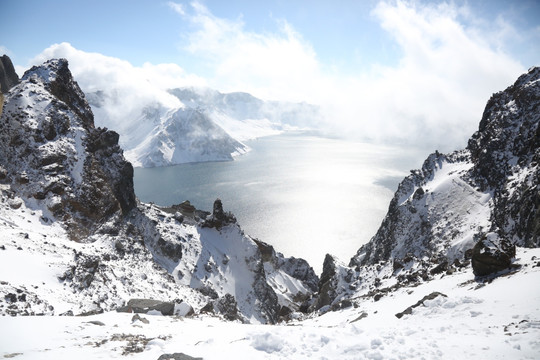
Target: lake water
(306,195)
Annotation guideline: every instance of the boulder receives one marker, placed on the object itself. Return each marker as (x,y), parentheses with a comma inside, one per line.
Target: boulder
(492,254)
(408,311)
(144,306)
(178,356)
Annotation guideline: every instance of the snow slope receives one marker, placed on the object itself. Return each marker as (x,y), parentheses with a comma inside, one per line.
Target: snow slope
(498,319)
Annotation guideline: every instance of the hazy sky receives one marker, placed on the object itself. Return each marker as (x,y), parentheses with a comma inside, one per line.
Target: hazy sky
(383,69)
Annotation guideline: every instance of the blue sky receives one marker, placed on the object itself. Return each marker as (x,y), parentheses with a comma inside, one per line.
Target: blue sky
(343,33)
(393,69)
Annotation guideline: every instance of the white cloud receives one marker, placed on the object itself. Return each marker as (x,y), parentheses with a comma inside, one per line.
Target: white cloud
(179,8)
(444,78)
(434,96)
(261,63)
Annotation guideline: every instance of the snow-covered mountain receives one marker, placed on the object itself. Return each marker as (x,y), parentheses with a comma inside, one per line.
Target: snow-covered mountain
(75,239)
(471,206)
(161,134)
(185,135)
(201,125)
(246,117)
(442,277)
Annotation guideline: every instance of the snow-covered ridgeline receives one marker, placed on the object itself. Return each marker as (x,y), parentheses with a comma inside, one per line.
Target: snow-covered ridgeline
(200,125)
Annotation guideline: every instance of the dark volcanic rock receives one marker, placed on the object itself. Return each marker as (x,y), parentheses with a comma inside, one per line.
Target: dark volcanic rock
(409,310)
(219,218)
(328,282)
(492,254)
(143,306)
(77,171)
(8,76)
(227,306)
(178,356)
(506,154)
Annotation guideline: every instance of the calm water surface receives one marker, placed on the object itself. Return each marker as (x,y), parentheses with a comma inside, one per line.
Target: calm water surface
(304,194)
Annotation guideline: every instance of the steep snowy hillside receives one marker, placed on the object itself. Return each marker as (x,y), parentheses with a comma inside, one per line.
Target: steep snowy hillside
(492,186)
(470,207)
(246,117)
(162,134)
(184,136)
(75,240)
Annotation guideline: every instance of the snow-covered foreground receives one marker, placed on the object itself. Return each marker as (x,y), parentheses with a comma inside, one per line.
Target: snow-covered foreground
(475,320)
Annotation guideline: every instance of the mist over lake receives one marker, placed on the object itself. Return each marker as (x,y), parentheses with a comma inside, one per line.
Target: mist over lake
(307,195)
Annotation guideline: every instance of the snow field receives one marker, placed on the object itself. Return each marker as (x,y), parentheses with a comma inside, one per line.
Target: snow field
(497,320)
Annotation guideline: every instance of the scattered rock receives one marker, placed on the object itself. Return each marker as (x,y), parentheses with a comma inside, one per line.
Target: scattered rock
(184,309)
(96,322)
(362,316)
(137,317)
(92,312)
(15,203)
(409,310)
(442,267)
(178,356)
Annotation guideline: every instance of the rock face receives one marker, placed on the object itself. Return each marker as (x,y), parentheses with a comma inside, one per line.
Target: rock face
(506,152)
(73,169)
(8,76)
(442,209)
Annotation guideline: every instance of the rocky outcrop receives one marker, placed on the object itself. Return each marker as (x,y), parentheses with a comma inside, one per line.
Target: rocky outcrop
(219,218)
(73,170)
(409,310)
(8,76)
(334,282)
(506,152)
(490,187)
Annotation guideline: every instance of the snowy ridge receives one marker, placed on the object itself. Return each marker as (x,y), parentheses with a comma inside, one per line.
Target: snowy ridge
(436,212)
(68,212)
(470,319)
(456,208)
